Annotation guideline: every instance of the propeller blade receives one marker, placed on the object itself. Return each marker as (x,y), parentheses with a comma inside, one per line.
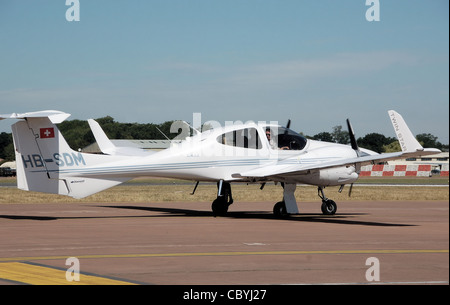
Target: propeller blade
(288,125)
(352,138)
(350,190)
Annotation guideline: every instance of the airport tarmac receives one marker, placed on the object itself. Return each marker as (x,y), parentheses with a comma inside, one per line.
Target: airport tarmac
(182,243)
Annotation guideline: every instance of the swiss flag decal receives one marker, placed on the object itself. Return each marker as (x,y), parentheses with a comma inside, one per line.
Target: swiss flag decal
(47,133)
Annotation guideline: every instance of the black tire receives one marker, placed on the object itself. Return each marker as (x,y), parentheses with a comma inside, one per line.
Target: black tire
(329,207)
(279,209)
(219,207)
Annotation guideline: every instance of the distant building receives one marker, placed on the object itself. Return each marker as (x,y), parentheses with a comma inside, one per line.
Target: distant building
(8,169)
(424,167)
(10,164)
(437,162)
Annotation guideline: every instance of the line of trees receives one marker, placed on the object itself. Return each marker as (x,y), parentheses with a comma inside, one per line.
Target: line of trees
(377,142)
(79,135)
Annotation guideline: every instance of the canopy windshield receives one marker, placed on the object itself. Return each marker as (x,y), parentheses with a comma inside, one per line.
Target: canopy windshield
(285,138)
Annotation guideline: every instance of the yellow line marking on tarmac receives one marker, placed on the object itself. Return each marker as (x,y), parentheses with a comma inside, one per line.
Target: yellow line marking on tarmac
(40,275)
(187,254)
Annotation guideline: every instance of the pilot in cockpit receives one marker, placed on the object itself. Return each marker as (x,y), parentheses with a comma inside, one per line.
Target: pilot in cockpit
(272,140)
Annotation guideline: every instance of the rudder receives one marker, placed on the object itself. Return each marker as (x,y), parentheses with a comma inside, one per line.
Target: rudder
(36,170)
(46,163)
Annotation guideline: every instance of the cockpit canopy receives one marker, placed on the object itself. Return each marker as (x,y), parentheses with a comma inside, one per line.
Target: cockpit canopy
(245,138)
(278,137)
(285,138)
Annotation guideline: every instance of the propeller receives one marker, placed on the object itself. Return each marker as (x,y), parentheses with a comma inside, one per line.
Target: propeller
(354,146)
(287,126)
(288,123)
(350,190)
(286,129)
(353,139)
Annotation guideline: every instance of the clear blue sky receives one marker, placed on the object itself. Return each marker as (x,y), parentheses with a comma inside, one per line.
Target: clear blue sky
(316,62)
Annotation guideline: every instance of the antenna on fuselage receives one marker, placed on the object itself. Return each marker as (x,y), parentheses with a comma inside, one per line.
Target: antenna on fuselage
(163,133)
(196,131)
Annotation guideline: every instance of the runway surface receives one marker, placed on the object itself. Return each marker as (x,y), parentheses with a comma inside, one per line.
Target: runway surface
(182,243)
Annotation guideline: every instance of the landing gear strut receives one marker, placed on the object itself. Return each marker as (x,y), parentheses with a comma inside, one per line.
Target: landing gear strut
(224,199)
(288,205)
(329,207)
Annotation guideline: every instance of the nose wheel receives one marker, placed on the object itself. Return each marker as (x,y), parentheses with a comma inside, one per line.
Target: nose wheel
(329,207)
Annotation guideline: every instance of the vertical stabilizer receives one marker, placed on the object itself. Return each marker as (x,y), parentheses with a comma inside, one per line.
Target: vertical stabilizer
(34,167)
(408,142)
(46,163)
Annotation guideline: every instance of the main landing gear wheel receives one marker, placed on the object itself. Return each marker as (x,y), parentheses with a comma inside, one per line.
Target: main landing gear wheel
(220,206)
(279,209)
(329,207)
(224,199)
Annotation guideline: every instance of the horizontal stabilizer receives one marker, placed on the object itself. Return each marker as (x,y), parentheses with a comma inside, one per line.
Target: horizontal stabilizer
(83,187)
(54,116)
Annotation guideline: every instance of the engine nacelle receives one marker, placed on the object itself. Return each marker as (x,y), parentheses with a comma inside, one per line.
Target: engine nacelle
(334,176)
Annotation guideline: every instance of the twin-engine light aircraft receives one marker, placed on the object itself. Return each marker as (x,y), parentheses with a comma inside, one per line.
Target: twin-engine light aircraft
(249,153)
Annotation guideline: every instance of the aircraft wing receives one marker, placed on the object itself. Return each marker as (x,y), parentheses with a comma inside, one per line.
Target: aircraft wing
(277,170)
(285,169)
(107,147)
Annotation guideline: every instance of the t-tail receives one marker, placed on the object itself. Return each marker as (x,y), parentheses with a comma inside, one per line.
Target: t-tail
(46,163)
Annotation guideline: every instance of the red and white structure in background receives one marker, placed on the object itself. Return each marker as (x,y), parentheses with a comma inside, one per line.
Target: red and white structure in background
(395,171)
(409,168)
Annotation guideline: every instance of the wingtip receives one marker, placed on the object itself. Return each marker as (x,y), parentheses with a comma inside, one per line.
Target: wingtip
(406,138)
(55,116)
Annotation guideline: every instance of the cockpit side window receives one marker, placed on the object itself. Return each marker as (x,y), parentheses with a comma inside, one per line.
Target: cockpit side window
(285,139)
(244,138)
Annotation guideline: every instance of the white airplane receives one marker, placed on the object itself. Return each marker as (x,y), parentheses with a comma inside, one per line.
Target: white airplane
(250,153)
